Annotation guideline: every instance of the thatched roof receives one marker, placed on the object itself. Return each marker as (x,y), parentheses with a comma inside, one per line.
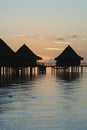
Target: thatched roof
(5,51)
(68,54)
(25,53)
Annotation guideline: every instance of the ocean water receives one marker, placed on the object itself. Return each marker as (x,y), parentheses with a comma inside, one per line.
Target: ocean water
(51,101)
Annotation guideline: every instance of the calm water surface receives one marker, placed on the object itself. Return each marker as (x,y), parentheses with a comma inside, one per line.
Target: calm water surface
(45,102)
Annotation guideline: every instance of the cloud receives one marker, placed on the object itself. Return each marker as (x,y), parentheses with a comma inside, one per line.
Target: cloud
(18,35)
(53,49)
(72,36)
(65,40)
(42,38)
(62,42)
(61,39)
(83,39)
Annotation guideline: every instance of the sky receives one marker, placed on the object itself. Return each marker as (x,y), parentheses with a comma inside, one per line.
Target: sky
(45,26)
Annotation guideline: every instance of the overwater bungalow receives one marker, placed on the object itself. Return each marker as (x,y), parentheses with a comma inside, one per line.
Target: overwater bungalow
(6,55)
(68,58)
(25,57)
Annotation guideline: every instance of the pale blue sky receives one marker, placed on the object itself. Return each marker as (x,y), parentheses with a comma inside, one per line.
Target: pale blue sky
(47,24)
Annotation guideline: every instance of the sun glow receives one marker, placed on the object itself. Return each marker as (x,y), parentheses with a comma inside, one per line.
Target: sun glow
(45,58)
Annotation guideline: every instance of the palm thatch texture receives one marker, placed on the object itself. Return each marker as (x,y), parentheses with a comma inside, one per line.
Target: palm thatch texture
(6,55)
(68,58)
(25,57)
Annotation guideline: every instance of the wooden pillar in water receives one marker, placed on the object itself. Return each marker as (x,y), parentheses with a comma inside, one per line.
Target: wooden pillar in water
(3,72)
(26,70)
(9,71)
(6,70)
(37,70)
(34,70)
(30,71)
(17,71)
(81,68)
(71,68)
(74,68)
(22,71)
(0,71)
(78,68)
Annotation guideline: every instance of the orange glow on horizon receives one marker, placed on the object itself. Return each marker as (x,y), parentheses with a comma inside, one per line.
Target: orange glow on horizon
(45,58)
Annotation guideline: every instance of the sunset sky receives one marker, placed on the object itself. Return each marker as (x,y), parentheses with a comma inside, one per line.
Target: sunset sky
(45,26)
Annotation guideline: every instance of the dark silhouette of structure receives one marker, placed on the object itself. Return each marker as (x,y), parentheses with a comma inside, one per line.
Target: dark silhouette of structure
(7,55)
(25,57)
(68,58)
(42,68)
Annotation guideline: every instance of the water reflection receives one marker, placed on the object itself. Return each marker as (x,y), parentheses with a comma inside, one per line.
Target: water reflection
(44,102)
(70,93)
(12,79)
(68,76)
(69,83)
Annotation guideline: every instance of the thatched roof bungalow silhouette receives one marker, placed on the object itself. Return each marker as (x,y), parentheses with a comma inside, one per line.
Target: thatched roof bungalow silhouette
(25,57)
(68,58)
(6,55)
(21,59)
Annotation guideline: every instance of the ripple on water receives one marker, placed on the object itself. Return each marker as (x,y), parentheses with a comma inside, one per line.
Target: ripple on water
(48,102)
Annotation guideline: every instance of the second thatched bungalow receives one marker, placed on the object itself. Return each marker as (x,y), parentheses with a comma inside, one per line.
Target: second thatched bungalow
(68,58)
(25,57)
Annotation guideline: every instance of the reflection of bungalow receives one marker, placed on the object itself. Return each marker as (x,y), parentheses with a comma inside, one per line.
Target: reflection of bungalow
(6,55)
(68,58)
(25,57)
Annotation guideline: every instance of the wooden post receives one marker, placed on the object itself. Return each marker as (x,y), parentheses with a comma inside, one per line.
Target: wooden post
(3,71)
(30,71)
(9,71)
(26,70)
(81,68)
(0,72)
(22,71)
(37,70)
(34,70)
(78,68)
(71,68)
(6,70)
(17,71)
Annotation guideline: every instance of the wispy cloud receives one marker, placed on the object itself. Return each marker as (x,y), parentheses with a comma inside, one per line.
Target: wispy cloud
(53,49)
(61,39)
(18,35)
(42,38)
(65,40)
(72,36)
(62,42)
(83,39)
